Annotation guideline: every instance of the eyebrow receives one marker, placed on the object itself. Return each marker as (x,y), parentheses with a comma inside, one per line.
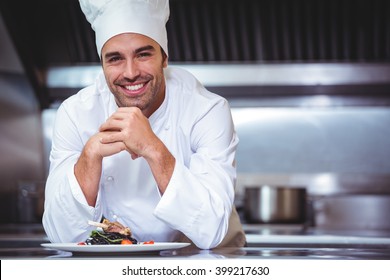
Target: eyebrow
(145,48)
(108,55)
(111,54)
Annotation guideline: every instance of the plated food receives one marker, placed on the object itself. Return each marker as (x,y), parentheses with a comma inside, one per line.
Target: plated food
(112,238)
(113,233)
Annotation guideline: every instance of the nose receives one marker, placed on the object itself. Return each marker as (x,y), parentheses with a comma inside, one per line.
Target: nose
(131,70)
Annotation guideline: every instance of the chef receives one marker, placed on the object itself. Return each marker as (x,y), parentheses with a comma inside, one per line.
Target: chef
(146,145)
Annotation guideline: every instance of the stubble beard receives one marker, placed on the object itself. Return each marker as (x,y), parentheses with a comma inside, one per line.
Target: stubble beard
(144,101)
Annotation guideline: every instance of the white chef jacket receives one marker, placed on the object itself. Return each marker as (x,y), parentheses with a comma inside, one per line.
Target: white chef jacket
(197,128)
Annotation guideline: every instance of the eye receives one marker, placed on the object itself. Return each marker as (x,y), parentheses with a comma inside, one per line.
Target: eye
(114,58)
(144,55)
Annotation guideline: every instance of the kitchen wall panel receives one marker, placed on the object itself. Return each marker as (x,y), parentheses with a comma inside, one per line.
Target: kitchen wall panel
(329,150)
(21,145)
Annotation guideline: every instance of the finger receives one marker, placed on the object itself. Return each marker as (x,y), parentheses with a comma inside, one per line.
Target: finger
(120,114)
(112,125)
(112,148)
(111,137)
(124,112)
(127,110)
(117,120)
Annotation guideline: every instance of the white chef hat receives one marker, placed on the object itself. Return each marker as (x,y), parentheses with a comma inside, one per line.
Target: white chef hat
(112,17)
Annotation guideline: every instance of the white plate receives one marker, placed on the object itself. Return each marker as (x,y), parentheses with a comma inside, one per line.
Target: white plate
(73,247)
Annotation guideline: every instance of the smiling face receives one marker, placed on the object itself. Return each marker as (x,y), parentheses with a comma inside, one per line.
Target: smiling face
(133,67)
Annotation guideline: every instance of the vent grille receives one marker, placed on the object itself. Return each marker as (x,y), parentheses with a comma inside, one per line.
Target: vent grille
(56,32)
(280,30)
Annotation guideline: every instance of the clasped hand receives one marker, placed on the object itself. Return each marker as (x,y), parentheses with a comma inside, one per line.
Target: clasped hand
(127,129)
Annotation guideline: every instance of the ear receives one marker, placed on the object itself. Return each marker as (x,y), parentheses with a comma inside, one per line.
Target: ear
(165,61)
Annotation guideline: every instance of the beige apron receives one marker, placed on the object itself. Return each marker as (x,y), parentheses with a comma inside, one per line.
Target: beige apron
(235,236)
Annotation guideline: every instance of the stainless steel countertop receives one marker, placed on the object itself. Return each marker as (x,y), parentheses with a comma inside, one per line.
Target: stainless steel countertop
(225,253)
(23,242)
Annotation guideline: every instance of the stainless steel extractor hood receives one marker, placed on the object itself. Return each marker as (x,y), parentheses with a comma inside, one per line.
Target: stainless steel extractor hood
(282,41)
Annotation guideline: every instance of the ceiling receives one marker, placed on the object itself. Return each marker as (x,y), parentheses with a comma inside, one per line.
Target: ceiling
(49,33)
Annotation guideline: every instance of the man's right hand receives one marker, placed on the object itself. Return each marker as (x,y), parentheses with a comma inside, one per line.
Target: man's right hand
(96,149)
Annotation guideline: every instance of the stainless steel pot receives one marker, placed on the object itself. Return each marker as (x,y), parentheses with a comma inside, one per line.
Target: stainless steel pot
(275,204)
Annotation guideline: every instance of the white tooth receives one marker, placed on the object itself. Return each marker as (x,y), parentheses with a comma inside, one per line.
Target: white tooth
(136,87)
